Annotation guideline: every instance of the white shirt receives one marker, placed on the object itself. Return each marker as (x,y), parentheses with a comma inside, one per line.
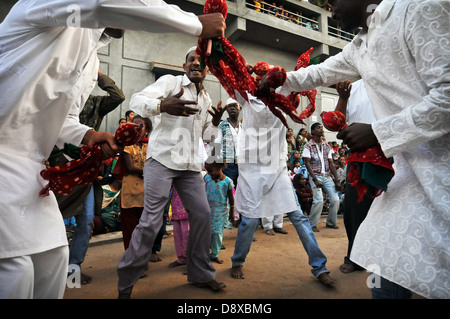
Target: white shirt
(359,107)
(174,140)
(404,62)
(47,71)
(264,188)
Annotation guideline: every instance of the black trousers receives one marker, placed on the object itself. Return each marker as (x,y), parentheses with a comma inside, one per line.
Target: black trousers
(354,214)
(232,172)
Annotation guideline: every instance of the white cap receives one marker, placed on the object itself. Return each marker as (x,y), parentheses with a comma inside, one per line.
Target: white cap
(231,101)
(190,50)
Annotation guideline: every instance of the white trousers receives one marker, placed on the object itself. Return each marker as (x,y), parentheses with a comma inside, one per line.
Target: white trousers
(37,276)
(272,222)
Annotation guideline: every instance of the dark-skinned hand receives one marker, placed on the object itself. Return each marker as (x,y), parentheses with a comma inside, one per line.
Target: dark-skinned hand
(108,143)
(343,88)
(217,114)
(358,137)
(264,88)
(176,106)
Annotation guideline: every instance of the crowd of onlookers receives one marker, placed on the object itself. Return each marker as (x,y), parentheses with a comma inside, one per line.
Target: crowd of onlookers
(299,173)
(298,17)
(280,12)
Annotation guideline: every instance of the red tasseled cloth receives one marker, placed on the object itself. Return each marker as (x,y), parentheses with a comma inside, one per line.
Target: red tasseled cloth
(222,59)
(230,68)
(83,171)
(303,62)
(275,77)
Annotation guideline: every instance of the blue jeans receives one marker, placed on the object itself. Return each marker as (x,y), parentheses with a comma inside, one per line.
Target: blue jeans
(390,290)
(82,234)
(317,204)
(247,229)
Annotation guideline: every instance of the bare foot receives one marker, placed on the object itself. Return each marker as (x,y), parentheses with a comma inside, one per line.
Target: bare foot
(217,260)
(347,268)
(213,285)
(236,272)
(325,279)
(155,258)
(176,263)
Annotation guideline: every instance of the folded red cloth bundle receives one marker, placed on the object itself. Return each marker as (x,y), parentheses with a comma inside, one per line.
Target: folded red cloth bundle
(84,170)
(334,120)
(370,170)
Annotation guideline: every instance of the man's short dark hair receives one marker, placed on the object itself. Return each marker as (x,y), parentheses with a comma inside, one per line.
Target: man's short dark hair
(313,127)
(127,113)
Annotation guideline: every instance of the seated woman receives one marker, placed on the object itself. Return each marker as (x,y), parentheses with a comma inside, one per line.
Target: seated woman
(110,213)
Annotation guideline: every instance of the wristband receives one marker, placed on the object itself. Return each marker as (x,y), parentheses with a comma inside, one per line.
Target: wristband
(158,107)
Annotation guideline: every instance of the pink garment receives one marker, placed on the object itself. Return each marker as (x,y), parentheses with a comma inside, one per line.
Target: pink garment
(180,237)
(180,222)
(178,211)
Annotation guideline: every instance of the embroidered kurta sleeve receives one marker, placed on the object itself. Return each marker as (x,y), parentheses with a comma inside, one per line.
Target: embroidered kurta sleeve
(146,15)
(334,69)
(426,35)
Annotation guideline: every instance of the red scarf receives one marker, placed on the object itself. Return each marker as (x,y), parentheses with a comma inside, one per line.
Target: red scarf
(370,170)
(83,171)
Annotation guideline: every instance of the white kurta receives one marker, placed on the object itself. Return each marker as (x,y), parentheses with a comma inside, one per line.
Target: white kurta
(359,107)
(47,71)
(405,64)
(264,188)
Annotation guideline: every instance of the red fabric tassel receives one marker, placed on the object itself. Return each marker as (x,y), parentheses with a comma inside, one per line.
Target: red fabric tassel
(83,171)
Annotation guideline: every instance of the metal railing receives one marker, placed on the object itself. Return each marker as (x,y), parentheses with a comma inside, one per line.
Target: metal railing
(298,18)
(339,33)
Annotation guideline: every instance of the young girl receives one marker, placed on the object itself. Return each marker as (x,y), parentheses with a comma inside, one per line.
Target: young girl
(180,221)
(219,190)
(132,193)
